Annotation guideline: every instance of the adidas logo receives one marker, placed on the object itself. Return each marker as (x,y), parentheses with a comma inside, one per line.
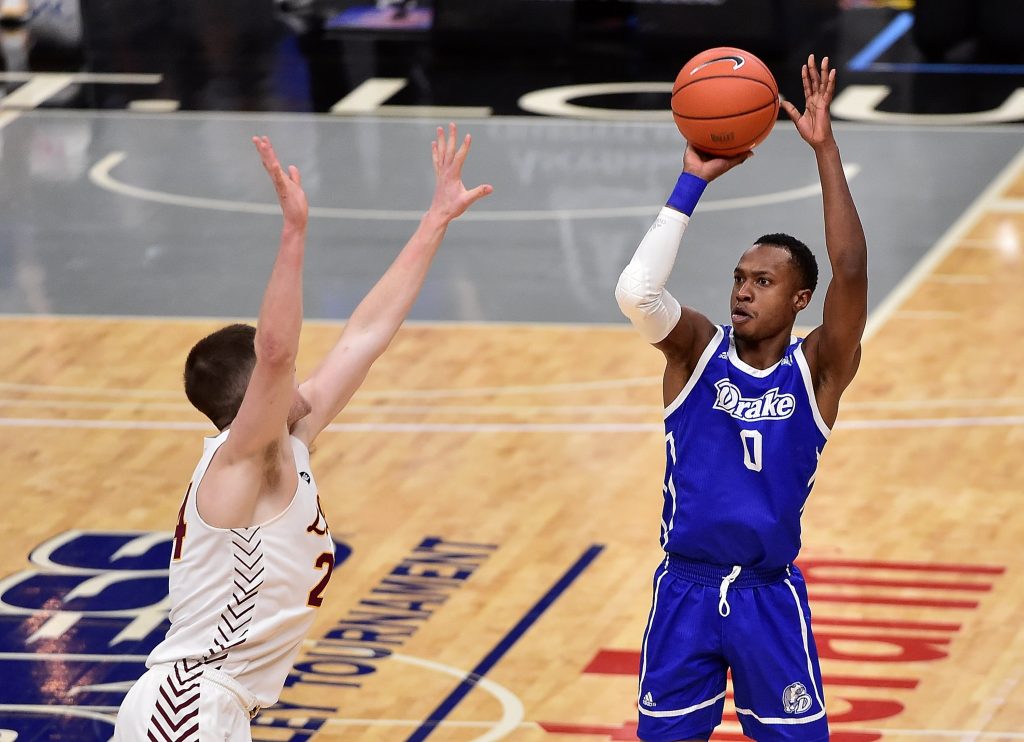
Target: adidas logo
(724,354)
(649,700)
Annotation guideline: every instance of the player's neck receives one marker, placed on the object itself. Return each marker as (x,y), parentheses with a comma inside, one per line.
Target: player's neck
(763,353)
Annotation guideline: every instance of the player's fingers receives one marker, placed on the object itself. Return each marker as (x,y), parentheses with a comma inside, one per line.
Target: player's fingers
(264,150)
(790,110)
(439,143)
(830,86)
(433,156)
(295,175)
(460,156)
(805,78)
(269,147)
(740,158)
(452,147)
(816,80)
(479,192)
(812,71)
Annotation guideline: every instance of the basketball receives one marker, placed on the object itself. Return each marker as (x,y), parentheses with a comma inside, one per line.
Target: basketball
(725,101)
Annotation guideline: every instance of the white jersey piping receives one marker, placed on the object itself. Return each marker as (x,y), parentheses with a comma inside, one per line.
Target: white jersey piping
(805,373)
(702,363)
(295,494)
(739,363)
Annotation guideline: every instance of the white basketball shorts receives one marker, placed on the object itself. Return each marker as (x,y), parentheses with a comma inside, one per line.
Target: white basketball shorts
(185,702)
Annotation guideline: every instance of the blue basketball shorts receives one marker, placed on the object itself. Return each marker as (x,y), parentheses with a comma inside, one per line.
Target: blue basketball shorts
(707,619)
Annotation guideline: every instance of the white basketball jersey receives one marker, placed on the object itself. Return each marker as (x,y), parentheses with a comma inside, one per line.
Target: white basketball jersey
(243,599)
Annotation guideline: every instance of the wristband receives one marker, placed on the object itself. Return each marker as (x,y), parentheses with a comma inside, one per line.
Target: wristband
(687,193)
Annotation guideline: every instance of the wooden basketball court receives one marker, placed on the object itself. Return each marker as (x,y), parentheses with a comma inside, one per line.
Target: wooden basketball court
(515,472)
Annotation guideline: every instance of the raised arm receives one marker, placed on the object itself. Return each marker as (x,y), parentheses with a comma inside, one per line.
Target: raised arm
(375,321)
(249,458)
(268,398)
(679,332)
(833,349)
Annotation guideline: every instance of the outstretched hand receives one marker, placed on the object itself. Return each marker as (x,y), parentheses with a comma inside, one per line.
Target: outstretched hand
(287,184)
(708,166)
(451,197)
(815,124)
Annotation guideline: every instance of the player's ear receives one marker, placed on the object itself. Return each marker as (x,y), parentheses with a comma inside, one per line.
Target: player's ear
(801,299)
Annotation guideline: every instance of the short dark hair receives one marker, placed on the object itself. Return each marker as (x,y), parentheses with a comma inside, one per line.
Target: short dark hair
(217,372)
(799,253)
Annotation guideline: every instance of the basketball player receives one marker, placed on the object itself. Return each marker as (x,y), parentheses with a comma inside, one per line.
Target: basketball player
(748,410)
(252,552)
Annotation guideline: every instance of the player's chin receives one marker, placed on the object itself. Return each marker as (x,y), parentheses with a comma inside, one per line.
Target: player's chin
(744,326)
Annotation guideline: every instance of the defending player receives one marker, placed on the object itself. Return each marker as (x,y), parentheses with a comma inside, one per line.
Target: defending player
(748,412)
(252,551)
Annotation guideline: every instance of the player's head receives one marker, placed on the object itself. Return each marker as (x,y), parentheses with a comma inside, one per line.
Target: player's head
(772,283)
(217,373)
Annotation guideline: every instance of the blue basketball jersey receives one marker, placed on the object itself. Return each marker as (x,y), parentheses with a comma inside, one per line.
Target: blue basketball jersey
(742,448)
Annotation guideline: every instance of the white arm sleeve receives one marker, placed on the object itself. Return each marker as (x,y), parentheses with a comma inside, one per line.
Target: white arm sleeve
(640,291)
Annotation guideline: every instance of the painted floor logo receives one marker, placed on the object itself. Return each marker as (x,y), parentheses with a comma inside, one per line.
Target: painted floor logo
(76,628)
(858,654)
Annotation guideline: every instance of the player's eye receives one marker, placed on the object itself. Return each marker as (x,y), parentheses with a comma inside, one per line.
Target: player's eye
(763,282)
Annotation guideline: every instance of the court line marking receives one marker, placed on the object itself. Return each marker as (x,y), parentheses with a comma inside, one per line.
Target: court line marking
(352,722)
(115,78)
(512,710)
(49,710)
(484,409)
(1015,205)
(943,733)
(359,409)
(474,677)
(60,657)
(553,388)
(946,244)
(925,314)
(959,278)
(33,93)
(504,120)
(100,175)
(356,409)
(483,427)
(995,705)
(622,326)
(93,713)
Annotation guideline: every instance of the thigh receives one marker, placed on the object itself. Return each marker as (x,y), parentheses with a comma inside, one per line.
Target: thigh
(682,670)
(775,672)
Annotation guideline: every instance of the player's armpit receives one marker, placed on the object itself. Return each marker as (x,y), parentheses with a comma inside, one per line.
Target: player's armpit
(832,366)
(245,493)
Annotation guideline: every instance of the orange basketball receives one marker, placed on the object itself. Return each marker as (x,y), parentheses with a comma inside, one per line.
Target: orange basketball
(725,101)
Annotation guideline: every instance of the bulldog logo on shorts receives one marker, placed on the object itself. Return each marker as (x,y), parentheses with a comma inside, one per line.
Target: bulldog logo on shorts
(795,699)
